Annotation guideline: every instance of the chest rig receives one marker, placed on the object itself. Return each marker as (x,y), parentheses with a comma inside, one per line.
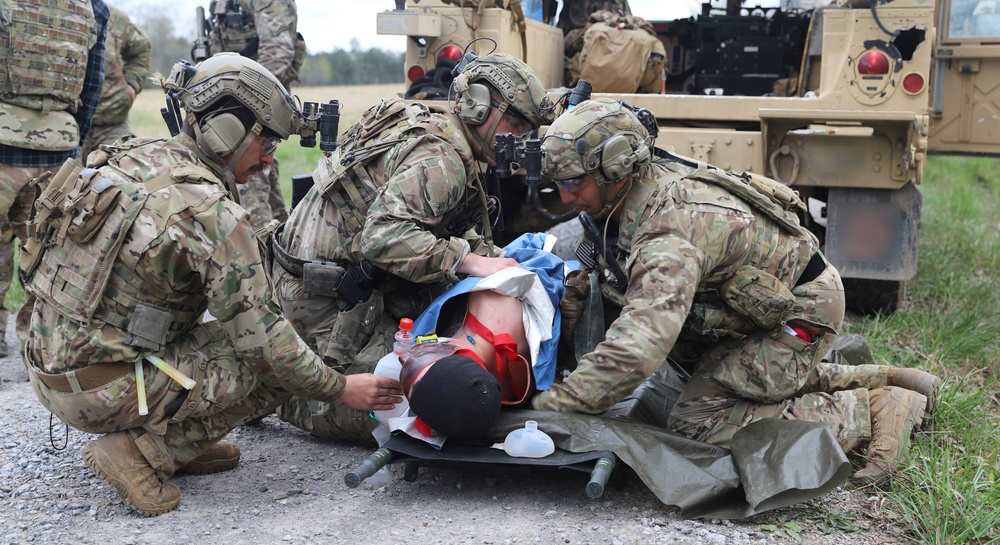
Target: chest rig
(44,46)
(73,261)
(234,29)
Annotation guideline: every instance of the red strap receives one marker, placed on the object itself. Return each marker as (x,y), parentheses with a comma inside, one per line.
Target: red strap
(506,351)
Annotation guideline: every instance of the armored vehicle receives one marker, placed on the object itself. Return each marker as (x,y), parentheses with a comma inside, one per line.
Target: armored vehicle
(842,102)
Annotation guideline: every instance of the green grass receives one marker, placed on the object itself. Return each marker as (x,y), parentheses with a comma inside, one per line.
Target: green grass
(950,325)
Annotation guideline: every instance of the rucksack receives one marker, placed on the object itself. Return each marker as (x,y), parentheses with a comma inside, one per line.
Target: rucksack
(619,54)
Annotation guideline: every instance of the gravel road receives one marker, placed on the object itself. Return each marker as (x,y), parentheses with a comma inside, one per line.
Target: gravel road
(289,488)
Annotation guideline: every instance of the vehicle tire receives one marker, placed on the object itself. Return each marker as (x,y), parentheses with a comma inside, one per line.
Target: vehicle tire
(865,296)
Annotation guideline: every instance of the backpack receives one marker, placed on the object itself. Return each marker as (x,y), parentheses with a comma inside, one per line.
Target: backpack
(619,54)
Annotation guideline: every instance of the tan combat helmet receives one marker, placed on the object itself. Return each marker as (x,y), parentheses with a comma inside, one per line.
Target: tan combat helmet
(201,91)
(600,138)
(200,88)
(520,88)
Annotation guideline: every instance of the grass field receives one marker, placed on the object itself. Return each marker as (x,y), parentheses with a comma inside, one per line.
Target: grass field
(950,325)
(293,159)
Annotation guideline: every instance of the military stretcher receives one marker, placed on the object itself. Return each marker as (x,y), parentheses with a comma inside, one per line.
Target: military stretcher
(414,453)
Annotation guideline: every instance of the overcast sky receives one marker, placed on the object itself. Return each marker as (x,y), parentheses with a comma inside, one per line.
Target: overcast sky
(329,24)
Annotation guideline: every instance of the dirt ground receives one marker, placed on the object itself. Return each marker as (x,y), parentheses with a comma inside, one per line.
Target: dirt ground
(289,488)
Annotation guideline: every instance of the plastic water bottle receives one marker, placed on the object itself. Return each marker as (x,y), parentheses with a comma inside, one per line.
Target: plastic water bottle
(404,337)
(529,442)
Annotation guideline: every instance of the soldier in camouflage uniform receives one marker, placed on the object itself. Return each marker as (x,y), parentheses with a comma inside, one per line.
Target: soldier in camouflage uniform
(6,279)
(391,222)
(126,258)
(126,65)
(265,31)
(50,83)
(720,274)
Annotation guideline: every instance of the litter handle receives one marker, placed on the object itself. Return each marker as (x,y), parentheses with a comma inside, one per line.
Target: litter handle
(373,463)
(599,477)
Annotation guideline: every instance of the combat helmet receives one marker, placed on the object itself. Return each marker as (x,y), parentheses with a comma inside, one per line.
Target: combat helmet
(519,87)
(601,138)
(199,88)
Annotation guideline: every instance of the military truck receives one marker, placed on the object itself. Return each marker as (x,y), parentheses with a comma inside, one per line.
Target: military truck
(873,88)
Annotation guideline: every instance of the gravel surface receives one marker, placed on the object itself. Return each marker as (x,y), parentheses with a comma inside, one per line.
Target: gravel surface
(289,488)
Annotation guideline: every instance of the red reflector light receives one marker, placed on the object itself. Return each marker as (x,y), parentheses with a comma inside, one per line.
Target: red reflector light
(873,63)
(913,83)
(414,72)
(450,52)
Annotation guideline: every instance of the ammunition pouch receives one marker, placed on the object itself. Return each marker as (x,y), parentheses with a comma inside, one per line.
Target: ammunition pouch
(353,283)
(148,327)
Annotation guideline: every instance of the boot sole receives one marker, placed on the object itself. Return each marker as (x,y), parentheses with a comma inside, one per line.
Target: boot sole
(200,469)
(90,459)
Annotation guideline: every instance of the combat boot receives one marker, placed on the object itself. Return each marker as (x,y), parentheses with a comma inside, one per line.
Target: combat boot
(918,381)
(117,459)
(895,413)
(219,457)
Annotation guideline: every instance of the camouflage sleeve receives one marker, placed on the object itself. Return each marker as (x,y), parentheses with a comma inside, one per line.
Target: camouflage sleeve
(672,252)
(276,22)
(397,237)
(240,297)
(136,53)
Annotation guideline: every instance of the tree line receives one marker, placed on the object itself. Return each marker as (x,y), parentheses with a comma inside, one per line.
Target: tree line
(355,66)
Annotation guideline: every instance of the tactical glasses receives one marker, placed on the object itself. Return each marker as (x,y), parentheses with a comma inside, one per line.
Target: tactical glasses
(571,185)
(268,144)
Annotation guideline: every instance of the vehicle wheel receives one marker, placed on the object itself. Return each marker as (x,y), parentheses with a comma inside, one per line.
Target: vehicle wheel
(865,296)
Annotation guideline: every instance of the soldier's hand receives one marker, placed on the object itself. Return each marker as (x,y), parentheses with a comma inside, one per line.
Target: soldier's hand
(477,265)
(366,392)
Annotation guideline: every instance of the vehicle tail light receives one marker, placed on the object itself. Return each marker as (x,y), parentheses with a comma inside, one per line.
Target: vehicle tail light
(450,52)
(873,63)
(415,71)
(913,83)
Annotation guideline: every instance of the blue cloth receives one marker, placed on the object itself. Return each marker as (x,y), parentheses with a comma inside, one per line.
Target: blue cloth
(527,250)
(93,81)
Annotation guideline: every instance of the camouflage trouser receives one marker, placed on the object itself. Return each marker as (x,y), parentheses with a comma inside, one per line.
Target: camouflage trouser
(103,134)
(181,424)
(14,181)
(351,342)
(262,197)
(774,374)
(6,268)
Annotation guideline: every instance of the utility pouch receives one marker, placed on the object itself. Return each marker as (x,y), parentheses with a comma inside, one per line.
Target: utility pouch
(92,202)
(351,332)
(320,278)
(758,295)
(148,328)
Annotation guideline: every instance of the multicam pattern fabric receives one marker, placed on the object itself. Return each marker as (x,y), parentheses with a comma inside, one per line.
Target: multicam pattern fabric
(414,187)
(45,80)
(44,41)
(272,22)
(189,243)
(685,238)
(126,66)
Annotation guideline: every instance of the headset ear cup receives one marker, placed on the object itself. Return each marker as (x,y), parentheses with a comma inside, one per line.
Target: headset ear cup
(617,158)
(223,133)
(474,104)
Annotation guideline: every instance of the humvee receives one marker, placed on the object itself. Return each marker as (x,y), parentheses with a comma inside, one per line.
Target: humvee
(875,88)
